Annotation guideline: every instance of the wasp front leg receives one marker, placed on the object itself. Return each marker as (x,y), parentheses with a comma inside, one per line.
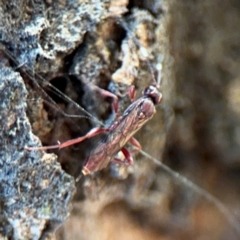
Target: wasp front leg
(111,95)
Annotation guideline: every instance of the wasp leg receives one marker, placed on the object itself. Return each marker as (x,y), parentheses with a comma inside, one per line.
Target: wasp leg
(128,158)
(135,143)
(111,95)
(92,133)
(132,93)
(128,155)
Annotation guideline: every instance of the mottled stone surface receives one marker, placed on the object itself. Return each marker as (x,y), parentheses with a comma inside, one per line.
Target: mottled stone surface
(35,192)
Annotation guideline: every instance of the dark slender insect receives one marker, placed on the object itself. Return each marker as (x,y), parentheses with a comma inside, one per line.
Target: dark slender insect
(118,134)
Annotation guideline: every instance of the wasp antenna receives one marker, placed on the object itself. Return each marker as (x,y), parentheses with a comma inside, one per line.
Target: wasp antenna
(155,79)
(159,75)
(79,177)
(154,82)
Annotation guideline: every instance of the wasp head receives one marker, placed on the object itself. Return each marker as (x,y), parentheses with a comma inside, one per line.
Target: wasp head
(153,93)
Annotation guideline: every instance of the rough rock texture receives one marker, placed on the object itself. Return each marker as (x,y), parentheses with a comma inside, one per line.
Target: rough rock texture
(35,192)
(66,51)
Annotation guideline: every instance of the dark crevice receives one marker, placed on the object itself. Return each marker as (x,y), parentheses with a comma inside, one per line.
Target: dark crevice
(59,83)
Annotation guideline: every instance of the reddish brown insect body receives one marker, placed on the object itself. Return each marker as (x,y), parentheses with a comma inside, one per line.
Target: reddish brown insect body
(133,118)
(122,131)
